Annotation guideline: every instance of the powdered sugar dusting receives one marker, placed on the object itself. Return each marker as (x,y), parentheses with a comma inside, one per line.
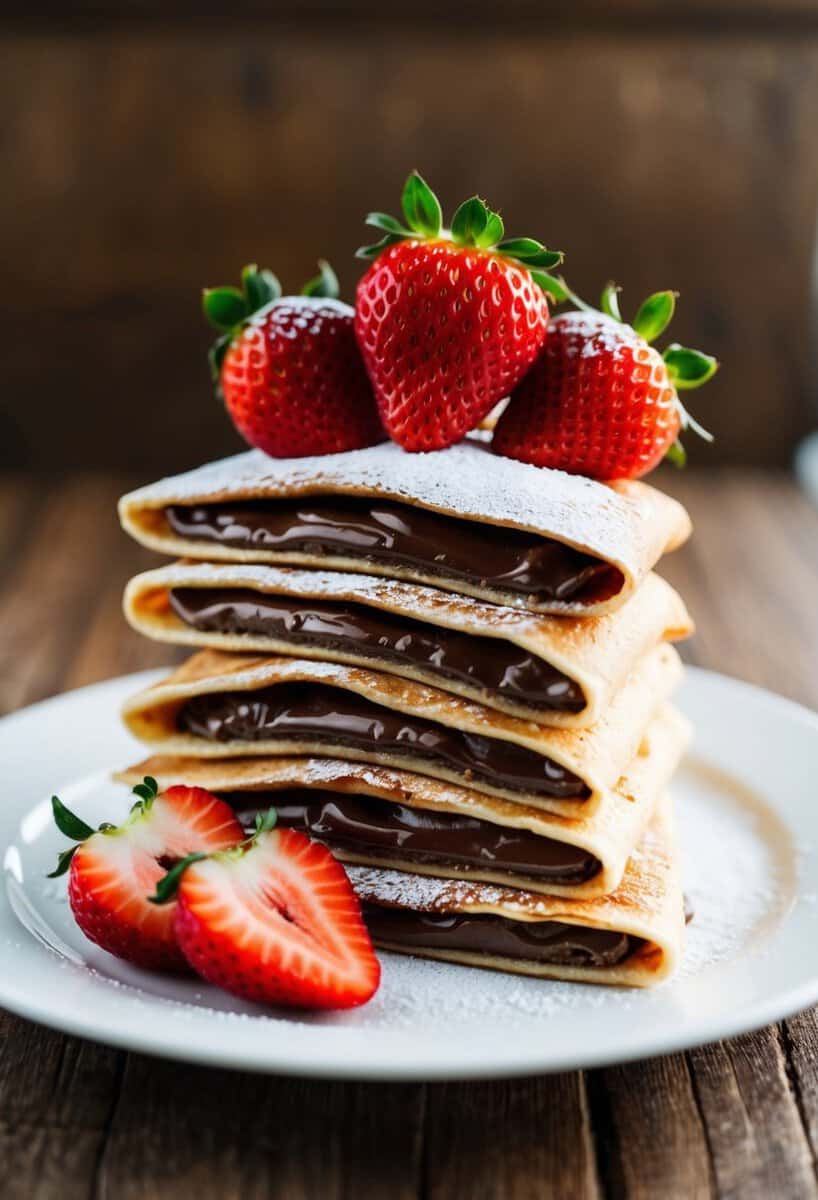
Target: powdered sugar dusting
(739,868)
(466,479)
(740,872)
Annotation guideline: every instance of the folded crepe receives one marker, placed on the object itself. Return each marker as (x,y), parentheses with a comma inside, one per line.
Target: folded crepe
(633,937)
(461,519)
(229,705)
(557,670)
(381,817)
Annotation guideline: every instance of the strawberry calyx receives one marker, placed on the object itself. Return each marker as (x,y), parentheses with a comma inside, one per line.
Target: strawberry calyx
(474,225)
(79,831)
(686,368)
(228,309)
(168,885)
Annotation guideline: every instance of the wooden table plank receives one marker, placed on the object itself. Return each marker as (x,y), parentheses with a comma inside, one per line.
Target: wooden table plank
(652,1139)
(737,1119)
(757,1140)
(56,1097)
(225,1134)
(513,1138)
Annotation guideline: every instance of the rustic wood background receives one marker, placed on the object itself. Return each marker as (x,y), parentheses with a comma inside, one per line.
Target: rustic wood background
(149,148)
(738,1120)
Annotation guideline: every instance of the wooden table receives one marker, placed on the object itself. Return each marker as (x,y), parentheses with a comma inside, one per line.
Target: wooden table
(738,1119)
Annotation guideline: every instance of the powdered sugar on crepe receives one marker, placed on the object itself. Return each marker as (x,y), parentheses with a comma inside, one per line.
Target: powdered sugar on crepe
(466,479)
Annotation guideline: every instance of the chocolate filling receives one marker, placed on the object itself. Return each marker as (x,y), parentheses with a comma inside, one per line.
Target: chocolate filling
(381,532)
(327,716)
(533,941)
(419,835)
(491,664)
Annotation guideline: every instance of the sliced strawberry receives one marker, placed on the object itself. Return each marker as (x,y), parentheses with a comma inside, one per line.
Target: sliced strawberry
(115,869)
(275,921)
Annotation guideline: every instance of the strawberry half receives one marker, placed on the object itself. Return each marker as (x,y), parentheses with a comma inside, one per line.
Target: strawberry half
(115,868)
(448,320)
(274,921)
(600,400)
(289,369)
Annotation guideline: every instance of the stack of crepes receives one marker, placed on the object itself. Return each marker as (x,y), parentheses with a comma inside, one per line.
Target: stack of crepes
(453,669)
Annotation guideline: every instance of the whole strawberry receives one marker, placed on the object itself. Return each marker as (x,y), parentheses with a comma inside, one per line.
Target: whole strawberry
(600,400)
(289,368)
(448,321)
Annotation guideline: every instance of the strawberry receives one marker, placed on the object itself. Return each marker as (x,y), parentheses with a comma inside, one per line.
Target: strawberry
(289,369)
(115,867)
(448,321)
(600,400)
(275,921)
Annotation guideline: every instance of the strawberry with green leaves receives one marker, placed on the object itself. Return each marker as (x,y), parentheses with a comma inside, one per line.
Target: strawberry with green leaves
(288,367)
(113,869)
(600,400)
(273,920)
(448,320)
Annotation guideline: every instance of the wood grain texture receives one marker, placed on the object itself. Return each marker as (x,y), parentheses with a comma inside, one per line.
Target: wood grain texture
(736,1120)
(513,1138)
(220,1134)
(149,162)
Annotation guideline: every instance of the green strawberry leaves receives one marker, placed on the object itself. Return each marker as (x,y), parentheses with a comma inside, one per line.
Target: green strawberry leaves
(147,790)
(469,223)
(224,307)
(610,301)
(530,252)
(259,287)
(69,823)
(474,224)
(228,308)
(676,454)
(79,831)
(421,207)
(689,368)
(324,284)
(554,287)
(168,885)
(654,316)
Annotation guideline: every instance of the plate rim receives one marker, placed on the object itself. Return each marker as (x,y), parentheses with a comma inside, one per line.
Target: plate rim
(163,1040)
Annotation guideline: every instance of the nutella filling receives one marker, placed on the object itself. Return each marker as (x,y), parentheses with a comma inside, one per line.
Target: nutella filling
(534,941)
(382,532)
(493,665)
(382,829)
(327,716)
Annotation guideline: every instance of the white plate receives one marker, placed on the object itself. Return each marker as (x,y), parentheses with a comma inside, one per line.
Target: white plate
(748,815)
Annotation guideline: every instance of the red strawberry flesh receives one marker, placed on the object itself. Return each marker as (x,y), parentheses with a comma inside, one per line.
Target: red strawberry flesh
(277,924)
(113,873)
(294,383)
(597,402)
(446,332)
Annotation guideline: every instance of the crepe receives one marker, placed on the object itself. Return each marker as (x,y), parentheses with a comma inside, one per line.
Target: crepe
(609,837)
(596,654)
(627,525)
(588,760)
(647,906)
